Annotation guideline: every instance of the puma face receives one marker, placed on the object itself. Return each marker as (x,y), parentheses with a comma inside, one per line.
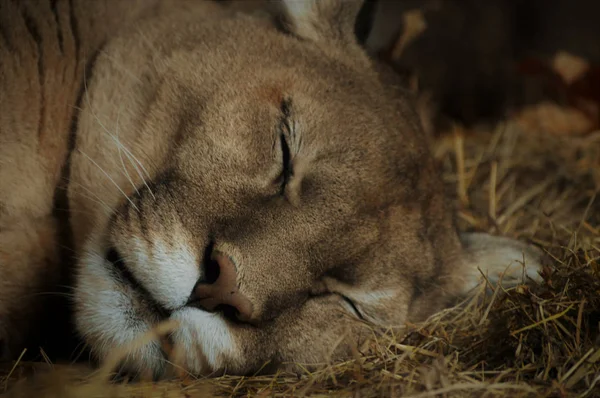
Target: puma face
(260,186)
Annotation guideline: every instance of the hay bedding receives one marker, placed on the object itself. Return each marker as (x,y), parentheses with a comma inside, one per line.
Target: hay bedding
(529,341)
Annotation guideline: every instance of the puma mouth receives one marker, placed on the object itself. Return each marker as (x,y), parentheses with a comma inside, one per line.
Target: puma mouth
(125,276)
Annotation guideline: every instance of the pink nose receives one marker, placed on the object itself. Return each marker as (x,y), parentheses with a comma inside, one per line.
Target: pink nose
(223,292)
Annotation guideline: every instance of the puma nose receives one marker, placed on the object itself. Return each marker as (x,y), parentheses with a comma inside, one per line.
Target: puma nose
(223,293)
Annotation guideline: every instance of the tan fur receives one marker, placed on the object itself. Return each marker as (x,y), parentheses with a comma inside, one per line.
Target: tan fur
(177,149)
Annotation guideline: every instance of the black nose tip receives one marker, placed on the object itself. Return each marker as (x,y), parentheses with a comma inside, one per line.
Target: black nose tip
(221,293)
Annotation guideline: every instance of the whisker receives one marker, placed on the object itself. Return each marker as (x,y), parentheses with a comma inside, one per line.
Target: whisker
(110,179)
(83,345)
(130,156)
(128,153)
(119,146)
(117,141)
(99,200)
(40,294)
(120,66)
(131,159)
(79,259)
(54,294)
(101,203)
(87,98)
(68,287)
(69,181)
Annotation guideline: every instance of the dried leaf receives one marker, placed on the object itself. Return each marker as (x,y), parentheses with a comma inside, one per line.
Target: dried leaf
(569,67)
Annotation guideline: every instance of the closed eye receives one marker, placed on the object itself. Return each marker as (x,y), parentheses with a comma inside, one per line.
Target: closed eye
(286,171)
(285,132)
(320,291)
(351,306)
(325,288)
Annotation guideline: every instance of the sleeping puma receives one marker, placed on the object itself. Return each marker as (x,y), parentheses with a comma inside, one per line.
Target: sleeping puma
(250,177)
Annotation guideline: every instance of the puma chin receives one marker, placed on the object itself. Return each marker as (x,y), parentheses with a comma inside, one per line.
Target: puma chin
(261,185)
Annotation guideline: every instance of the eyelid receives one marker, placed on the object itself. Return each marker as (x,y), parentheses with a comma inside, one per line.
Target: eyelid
(352,306)
(321,290)
(286,171)
(331,286)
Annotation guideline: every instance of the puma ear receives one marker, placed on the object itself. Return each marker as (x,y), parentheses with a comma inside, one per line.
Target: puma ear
(323,20)
(500,259)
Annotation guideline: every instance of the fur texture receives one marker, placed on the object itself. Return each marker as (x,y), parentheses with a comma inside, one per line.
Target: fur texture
(196,130)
